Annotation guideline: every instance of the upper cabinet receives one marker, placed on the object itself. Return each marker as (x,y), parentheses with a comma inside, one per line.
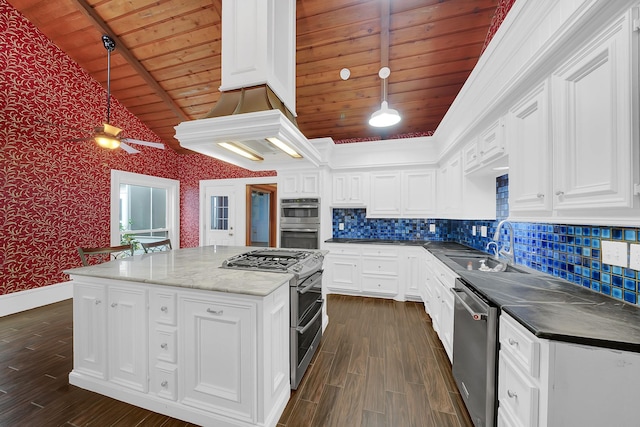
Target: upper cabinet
(450,187)
(530,153)
(405,194)
(573,143)
(348,189)
(486,148)
(299,184)
(592,123)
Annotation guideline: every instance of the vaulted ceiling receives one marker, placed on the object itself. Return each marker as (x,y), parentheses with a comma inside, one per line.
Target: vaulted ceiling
(166,66)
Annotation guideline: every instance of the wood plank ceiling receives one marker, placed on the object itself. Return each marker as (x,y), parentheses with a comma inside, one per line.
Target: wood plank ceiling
(166,67)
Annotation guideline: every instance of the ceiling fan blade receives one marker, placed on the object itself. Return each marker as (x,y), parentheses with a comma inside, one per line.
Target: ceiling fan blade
(112,130)
(147,143)
(129,149)
(78,139)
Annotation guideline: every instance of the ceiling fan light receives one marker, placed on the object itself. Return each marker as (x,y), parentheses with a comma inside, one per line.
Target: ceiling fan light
(284,147)
(112,130)
(107,141)
(385,116)
(241,151)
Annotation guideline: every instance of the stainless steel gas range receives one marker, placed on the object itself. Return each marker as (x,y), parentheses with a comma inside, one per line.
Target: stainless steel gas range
(305,297)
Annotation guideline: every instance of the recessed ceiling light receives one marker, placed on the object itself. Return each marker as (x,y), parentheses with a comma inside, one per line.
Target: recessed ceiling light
(501,168)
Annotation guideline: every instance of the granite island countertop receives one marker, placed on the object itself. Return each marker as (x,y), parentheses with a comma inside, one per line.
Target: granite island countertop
(196,268)
(553,308)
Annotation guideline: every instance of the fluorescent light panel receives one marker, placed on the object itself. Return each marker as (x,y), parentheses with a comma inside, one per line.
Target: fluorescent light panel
(244,152)
(284,147)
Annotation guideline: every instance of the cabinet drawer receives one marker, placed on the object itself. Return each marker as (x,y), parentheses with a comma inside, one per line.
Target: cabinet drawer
(377,251)
(343,249)
(165,381)
(521,345)
(444,274)
(164,345)
(517,395)
(163,307)
(383,266)
(380,284)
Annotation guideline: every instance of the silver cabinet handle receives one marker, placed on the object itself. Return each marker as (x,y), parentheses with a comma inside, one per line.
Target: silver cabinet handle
(114,304)
(217,313)
(164,345)
(559,193)
(164,384)
(98,301)
(512,394)
(513,342)
(540,196)
(164,308)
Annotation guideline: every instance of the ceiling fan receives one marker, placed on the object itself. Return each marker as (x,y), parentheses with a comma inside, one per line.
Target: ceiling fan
(107,135)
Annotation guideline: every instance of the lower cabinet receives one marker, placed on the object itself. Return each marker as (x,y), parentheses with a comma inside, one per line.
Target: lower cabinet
(551,383)
(127,332)
(206,357)
(384,271)
(219,355)
(437,284)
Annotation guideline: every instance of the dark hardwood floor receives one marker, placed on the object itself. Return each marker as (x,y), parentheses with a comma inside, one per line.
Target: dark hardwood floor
(379,364)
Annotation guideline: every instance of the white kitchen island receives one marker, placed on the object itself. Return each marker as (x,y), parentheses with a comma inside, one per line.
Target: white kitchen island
(174,333)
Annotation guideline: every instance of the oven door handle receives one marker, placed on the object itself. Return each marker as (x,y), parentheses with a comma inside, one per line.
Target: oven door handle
(302,329)
(305,230)
(312,284)
(298,206)
(474,314)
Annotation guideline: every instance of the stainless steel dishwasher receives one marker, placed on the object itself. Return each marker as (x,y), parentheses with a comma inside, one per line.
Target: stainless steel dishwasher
(475,335)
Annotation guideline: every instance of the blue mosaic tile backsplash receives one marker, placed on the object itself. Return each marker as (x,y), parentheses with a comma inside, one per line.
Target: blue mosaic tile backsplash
(570,252)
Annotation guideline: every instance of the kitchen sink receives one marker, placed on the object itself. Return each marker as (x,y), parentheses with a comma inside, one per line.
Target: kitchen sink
(493,265)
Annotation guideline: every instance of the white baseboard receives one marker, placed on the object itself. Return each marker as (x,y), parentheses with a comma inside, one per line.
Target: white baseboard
(32,298)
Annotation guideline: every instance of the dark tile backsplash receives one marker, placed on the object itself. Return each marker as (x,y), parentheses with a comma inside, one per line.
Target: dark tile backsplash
(570,252)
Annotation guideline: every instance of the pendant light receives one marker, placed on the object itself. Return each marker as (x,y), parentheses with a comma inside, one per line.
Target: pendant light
(385,116)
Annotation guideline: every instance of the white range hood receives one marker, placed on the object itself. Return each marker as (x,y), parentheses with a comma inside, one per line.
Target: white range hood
(258,90)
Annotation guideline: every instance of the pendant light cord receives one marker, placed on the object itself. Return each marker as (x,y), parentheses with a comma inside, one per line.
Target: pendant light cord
(110,45)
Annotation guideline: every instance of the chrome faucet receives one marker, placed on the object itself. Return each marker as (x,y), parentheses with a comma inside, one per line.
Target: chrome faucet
(495,249)
(508,254)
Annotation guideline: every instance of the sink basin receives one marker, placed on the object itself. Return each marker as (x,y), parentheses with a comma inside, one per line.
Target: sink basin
(488,262)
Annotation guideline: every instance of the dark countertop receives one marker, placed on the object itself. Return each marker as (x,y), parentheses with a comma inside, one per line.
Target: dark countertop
(549,307)
(380,242)
(555,309)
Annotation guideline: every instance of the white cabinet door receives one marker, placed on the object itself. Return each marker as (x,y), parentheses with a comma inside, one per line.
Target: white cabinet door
(530,153)
(299,184)
(593,124)
(418,193)
(491,143)
(348,189)
(413,272)
(385,199)
(450,187)
(219,349)
(446,321)
(89,329)
(343,272)
(127,337)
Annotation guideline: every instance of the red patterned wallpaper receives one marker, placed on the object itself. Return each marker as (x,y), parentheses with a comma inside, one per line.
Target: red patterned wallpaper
(54,194)
(501,12)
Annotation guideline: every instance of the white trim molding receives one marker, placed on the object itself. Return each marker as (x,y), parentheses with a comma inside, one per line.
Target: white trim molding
(33,298)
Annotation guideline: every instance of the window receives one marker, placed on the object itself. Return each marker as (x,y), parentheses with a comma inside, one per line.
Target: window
(143,213)
(219,212)
(144,208)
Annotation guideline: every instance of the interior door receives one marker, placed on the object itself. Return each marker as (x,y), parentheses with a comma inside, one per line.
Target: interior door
(219,215)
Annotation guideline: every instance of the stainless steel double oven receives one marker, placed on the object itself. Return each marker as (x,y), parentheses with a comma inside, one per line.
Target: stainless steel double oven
(306,323)
(305,298)
(300,223)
